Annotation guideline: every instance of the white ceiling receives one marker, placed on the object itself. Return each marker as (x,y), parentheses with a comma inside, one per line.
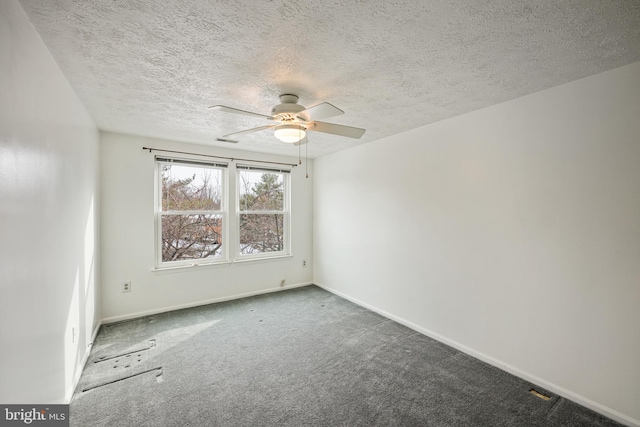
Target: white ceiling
(152,67)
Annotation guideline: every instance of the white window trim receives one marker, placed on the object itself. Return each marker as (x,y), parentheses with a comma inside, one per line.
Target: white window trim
(286,221)
(158,213)
(230,241)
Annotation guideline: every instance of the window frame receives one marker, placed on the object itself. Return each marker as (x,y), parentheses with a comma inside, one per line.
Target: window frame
(159,213)
(286,212)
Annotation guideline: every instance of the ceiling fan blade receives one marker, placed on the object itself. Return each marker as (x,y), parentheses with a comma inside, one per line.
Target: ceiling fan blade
(320,111)
(244,132)
(237,111)
(335,129)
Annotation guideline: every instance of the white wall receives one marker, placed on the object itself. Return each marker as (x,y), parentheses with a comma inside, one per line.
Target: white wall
(48,220)
(512,232)
(127,188)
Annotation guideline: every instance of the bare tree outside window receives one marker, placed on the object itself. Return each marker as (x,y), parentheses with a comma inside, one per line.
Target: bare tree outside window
(191,212)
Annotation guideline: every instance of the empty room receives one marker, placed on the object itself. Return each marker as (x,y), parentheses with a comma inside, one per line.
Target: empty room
(288,213)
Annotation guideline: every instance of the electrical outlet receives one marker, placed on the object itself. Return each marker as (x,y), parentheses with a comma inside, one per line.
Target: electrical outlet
(304,262)
(282,282)
(126,286)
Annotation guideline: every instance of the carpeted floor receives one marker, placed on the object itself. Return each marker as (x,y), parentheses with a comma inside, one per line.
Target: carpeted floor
(301,357)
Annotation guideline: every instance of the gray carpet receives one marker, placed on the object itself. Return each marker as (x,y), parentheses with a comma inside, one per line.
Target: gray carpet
(301,357)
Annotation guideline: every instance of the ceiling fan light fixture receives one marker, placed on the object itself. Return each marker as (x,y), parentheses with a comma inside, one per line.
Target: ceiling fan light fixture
(290,133)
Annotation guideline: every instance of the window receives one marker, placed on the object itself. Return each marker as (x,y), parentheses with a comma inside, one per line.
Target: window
(263,212)
(190,212)
(192,220)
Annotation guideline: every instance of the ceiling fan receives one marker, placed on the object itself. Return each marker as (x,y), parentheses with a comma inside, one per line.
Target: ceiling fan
(292,121)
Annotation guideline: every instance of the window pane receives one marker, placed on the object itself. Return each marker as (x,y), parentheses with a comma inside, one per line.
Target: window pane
(187,187)
(261,191)
(186,237)
(261,233)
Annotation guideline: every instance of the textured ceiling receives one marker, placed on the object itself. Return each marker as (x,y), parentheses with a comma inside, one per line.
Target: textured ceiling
(152,68)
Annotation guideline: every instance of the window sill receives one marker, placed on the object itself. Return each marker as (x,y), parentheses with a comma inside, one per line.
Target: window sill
(264,258)
(184,267)
(175,268)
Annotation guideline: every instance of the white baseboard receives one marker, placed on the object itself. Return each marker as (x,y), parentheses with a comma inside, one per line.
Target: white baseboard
(199,303)
(597,407)
(80,368)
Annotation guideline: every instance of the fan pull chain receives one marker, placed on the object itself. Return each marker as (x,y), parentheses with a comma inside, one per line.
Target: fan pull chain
(306,159)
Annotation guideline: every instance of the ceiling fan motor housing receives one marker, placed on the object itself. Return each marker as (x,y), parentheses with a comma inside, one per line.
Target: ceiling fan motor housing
(288,107)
